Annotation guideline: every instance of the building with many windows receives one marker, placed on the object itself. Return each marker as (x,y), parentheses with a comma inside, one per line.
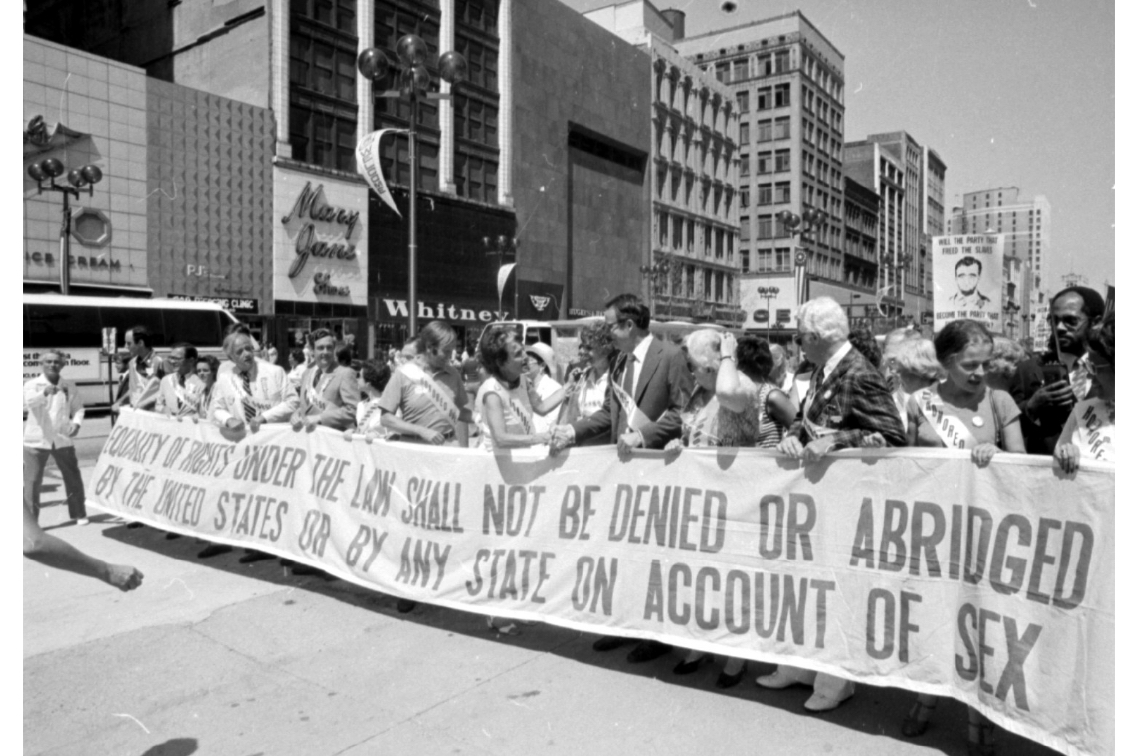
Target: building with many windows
(694,266)
(862,218)
(1025,225)
(527,161)
(874,167)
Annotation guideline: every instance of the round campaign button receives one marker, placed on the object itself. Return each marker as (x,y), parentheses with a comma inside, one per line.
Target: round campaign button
(977,421)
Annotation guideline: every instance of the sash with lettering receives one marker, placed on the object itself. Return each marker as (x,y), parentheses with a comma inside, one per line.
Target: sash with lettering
(434,392)
(189,398)
(702,427)
(1095,428)
(637,420)
(951,430)
(518,411)
(315,392)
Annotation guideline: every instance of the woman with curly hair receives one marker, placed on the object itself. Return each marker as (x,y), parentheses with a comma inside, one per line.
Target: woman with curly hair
(589,384)
(1089,430)
(507,400)
(1006,354)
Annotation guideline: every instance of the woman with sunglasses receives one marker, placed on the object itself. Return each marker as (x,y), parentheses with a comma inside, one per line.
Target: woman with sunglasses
(962,413)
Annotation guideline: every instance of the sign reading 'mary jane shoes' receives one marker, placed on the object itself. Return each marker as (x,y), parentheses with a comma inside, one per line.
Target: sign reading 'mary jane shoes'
(320,241)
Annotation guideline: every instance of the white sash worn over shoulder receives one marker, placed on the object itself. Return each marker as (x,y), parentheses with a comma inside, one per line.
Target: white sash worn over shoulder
(1095,429)
(434,392)
(702,434)
(520,414)
(637,420)
(951,430)
(315,394)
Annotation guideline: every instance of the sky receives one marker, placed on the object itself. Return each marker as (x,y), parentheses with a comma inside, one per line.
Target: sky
(1008,92)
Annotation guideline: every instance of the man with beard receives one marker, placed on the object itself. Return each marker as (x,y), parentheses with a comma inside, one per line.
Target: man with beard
(1046,387)
(967,272)
(329,392)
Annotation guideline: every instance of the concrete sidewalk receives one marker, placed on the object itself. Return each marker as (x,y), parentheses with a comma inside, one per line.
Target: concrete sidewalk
(218,657)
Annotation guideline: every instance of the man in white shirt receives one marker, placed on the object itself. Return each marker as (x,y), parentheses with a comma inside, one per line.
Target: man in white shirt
(55,413)
(253,392)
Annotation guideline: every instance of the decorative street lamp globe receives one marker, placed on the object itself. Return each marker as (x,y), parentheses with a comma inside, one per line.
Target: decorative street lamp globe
(86,177)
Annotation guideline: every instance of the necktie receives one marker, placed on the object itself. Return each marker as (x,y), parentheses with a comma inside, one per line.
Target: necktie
(627,382)
(366,416)
(247,399)
(814,386)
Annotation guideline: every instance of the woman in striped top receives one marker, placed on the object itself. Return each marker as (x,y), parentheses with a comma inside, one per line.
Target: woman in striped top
(744,388)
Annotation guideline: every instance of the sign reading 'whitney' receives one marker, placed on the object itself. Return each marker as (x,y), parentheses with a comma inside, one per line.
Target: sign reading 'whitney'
(310,204)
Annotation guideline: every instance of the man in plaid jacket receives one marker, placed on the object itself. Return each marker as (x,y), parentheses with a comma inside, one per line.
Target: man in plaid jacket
(847,402)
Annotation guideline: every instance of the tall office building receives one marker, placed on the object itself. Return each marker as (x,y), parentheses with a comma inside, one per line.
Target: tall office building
(789,83)
(874,166)
(694,266)
(1026,227)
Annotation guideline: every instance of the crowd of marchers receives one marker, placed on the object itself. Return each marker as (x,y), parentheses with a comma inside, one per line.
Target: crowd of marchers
(964,388)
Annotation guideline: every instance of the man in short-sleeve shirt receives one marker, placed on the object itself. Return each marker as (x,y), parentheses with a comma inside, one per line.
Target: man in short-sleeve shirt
(410,393)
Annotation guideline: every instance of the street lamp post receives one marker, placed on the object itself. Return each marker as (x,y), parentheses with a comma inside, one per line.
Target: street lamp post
(656,275)
(768,293)
(79,178)
(411,80)
(808,220)
(500,247)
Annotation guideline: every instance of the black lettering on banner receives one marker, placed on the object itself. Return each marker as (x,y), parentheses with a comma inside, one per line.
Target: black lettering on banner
(418,558)
(327,476)
(315,532)
(1013,677)
(975,560)
(576,513)
(956,541)
(1000,560)
(737,581)
(1041,559)
(864,549)
(705,574)
(180,502)
(892,535)
(174,452)
(926,544)
(366,538)
(516,562)
(271,464)
(1081,569)
(506,508)
(595,582)
(136,489)
(1018,648)
(433,505)
(885,649)
(105,485)
(374,496)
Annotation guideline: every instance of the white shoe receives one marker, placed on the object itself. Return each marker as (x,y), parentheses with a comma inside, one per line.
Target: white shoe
(82,521)
(783,677)
(828,701)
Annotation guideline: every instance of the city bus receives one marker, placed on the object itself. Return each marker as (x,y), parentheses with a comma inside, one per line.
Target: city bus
(74,325)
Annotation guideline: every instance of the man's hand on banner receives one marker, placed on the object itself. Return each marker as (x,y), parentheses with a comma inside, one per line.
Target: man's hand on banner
(817,449)
(632,439)
(873,441)
(562,438)
(431,436)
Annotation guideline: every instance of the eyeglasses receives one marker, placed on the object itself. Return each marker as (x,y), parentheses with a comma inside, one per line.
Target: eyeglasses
(696,369)
(800,336)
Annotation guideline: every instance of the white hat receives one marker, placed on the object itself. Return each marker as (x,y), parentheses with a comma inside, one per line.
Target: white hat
(546,354)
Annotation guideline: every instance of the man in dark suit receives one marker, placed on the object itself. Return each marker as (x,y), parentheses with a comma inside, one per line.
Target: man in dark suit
(649,385)
(847,402)
(1046,387)
(329,392)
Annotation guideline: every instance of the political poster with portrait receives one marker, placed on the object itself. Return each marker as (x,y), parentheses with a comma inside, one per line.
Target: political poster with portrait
(967,274)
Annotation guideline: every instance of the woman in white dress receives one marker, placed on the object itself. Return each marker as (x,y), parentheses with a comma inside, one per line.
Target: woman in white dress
(507,401)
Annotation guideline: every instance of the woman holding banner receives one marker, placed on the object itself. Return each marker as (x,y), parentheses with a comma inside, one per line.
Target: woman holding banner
(962,413)
(734,405)
(206,370)
(373,378)
(507,400)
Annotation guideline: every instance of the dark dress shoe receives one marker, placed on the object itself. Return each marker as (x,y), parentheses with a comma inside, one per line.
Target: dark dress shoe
(304,569)
(213,550)
(687,667)
(645,651)
(405,606)
(609,642)
(133,525)
(172,536)
(725,681)
(254,556)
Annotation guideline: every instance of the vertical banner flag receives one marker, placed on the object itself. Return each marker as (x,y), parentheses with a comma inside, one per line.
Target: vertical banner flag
(367,155)
(503,276)
(801,288)
(967,272)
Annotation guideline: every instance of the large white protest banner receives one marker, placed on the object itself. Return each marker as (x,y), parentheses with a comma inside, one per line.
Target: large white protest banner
(905,567)
(967,276)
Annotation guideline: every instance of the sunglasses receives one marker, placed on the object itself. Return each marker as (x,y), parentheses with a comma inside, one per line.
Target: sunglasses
(800,337)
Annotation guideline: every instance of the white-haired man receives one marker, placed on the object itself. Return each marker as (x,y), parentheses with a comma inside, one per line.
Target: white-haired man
(847,402)
(55,413)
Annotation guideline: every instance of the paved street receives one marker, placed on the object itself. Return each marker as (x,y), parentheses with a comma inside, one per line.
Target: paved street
(217,657)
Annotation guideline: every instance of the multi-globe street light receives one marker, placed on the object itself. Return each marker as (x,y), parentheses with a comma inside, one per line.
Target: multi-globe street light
(768,293)
(79,178)
(411,79)
(808,221)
